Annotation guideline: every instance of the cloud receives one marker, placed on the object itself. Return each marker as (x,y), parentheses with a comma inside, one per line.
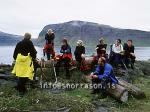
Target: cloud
(19,16)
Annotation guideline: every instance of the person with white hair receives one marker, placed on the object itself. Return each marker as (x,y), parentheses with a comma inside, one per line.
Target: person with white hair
(79,52)
(49,45)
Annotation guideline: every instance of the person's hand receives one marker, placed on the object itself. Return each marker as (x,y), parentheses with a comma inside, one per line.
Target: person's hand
(65,51)
(83,56)
(122,52)
(91,75)
(95,76)
(52,60)
(96,48)
(103,49)
(132,54)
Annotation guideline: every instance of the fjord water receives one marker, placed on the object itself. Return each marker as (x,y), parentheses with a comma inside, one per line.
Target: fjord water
(6,53)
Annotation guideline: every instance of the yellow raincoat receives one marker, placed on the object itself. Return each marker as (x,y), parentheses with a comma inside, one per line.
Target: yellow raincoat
(24,67)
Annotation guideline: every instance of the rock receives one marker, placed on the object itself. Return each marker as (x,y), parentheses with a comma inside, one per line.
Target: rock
(2,71)
(7,77)
(4,82)
(64,109)
(100,107)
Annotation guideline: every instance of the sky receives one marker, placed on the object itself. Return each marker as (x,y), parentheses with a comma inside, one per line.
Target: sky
(20,16)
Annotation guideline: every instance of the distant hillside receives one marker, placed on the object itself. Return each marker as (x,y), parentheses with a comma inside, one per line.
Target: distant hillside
(9,39)
(91,32)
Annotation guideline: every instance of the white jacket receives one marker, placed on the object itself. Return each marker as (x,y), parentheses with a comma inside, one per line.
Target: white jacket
(117,49)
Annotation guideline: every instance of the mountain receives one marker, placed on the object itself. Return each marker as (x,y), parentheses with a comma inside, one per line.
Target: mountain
(9,39)
(91,32)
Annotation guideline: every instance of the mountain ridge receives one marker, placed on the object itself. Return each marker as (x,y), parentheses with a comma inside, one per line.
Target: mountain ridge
(91,32)
(9,39)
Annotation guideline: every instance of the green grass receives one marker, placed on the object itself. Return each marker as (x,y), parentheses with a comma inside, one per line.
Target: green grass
(77,100)
(133,105)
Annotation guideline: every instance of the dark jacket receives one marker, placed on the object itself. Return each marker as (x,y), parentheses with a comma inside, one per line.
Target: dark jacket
(50,38)
(100,47)
(79,50)
(24,47)
(107,72)
(128,50)
(65,49)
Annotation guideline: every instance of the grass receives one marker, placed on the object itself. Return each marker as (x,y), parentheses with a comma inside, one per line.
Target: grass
(77,100)
(133,105)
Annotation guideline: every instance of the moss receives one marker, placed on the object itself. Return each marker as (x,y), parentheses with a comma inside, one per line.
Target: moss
(77,100)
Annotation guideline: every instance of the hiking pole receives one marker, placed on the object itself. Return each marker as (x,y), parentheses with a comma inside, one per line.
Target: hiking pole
(124,65)
(43,74)
(55,72)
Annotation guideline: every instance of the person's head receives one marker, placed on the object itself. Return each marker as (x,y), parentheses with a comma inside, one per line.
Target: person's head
(64,41)
(101,61)
(118,42)
(129,42)
(80,43)
(27,36)
(50,31)
(101,41)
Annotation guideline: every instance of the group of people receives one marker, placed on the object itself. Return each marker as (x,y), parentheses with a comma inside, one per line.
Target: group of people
(25,56)
(123,55)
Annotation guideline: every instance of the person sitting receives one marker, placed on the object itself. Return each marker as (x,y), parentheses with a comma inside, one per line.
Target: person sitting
(49,45)
(117,50)
(101,52)
(65,58)
(24,54)
(101,48)
(129,56)
(79,52)
(103,75)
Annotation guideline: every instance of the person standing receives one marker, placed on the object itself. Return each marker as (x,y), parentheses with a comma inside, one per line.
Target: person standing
(49,45)
(24,54)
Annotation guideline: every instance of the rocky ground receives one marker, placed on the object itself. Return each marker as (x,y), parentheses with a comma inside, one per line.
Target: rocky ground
(77,100)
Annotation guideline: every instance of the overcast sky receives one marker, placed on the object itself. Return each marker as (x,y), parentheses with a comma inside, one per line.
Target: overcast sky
(20,16)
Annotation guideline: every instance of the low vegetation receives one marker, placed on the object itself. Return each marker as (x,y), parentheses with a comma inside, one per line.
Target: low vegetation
(77,100)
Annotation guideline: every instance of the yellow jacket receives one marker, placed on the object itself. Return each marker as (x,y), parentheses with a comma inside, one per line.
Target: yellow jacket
(24,67)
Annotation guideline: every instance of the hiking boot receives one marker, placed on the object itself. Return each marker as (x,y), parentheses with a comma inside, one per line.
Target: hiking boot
(95,92)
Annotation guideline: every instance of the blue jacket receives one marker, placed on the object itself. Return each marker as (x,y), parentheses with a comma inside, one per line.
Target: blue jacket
(108,73)
(65,49)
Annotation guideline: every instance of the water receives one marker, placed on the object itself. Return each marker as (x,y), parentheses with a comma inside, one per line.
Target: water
(6,53)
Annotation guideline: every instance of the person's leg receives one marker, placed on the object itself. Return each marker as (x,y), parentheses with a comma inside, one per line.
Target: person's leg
(95,83)
(48,56)
(116,60)
(53,53)
(67,66)
(106,83)
(58,65)
(79,63)
(127,61)
(21,84)
(132,62)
